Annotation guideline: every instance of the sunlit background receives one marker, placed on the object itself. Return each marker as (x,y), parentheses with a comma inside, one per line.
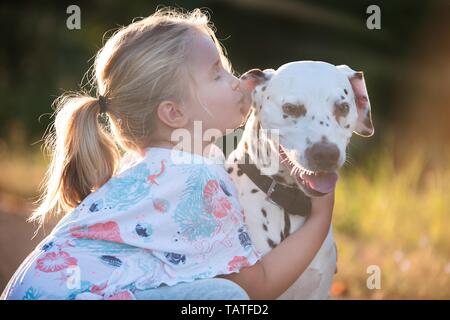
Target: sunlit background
(393,199)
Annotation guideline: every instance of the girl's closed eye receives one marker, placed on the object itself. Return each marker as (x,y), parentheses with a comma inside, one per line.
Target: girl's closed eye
(218,75)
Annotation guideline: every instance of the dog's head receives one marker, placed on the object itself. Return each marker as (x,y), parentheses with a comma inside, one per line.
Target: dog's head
(316,107)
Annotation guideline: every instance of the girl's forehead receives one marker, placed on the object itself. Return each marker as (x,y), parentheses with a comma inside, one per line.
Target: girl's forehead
(204,53)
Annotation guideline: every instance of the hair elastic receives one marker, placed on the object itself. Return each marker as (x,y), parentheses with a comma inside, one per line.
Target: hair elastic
(102,101)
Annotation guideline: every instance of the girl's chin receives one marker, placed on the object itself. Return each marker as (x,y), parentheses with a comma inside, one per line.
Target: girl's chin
(245,108)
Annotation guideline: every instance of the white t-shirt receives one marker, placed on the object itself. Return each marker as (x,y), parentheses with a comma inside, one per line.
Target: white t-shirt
(168,217)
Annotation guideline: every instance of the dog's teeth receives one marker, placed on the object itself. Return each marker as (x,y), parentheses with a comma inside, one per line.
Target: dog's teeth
(292,171)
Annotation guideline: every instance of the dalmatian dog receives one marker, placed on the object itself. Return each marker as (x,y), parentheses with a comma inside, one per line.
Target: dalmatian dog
(312,108)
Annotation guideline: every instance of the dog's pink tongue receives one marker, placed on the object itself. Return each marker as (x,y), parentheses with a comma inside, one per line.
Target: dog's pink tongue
(323,182)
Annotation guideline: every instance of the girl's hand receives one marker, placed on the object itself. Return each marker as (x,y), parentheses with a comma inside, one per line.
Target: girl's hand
(283,265)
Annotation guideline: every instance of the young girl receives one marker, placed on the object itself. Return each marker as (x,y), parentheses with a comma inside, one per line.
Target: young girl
(148,229)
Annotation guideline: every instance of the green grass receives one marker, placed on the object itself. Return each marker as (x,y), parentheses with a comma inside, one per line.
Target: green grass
(398,218)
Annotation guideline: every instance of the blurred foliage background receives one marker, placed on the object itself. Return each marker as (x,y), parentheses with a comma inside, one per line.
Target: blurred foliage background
(392,205)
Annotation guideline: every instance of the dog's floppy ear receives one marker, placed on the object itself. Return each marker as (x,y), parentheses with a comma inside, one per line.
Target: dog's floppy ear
(256,77)
(364,126)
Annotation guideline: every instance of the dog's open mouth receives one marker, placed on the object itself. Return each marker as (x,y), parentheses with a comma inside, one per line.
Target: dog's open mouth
(316,183)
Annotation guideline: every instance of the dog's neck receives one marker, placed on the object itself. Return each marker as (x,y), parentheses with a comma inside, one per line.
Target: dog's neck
(254,133)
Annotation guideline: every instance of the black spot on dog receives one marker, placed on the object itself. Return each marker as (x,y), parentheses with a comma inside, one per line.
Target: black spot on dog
(285,116)
(313,117)
(235,160)
(328,125)
(308,141)
(258,127)
(321,122)
(264,212)
(342,97)
(267,97)
(271,243)
(254,190)
(347,126)
(263,88)
(287,225)
(265,227)
(239,172)
(230,170)
(345,91)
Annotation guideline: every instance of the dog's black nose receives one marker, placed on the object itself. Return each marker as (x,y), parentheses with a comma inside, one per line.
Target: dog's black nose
(322,156)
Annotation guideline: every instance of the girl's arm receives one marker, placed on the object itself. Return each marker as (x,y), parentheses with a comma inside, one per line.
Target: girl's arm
(277,271)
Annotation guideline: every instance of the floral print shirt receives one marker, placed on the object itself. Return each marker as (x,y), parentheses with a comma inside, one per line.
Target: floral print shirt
(170,217)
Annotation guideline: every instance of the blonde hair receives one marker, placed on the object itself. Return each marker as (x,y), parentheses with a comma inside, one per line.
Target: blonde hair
(140,66)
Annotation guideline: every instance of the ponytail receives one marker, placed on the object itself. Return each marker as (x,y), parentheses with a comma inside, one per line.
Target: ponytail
(83,156)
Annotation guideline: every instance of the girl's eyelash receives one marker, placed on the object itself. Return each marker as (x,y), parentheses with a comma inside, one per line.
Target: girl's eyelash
(218,77)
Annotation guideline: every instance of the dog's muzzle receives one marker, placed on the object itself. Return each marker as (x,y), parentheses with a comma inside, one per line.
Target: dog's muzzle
(313,183)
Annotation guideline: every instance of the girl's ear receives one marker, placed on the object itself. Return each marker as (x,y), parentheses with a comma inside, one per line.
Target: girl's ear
(172,114)
(364,126)
(255,77)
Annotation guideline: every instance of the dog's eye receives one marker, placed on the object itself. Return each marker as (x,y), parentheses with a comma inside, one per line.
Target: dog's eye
(341,109)
(295,110)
